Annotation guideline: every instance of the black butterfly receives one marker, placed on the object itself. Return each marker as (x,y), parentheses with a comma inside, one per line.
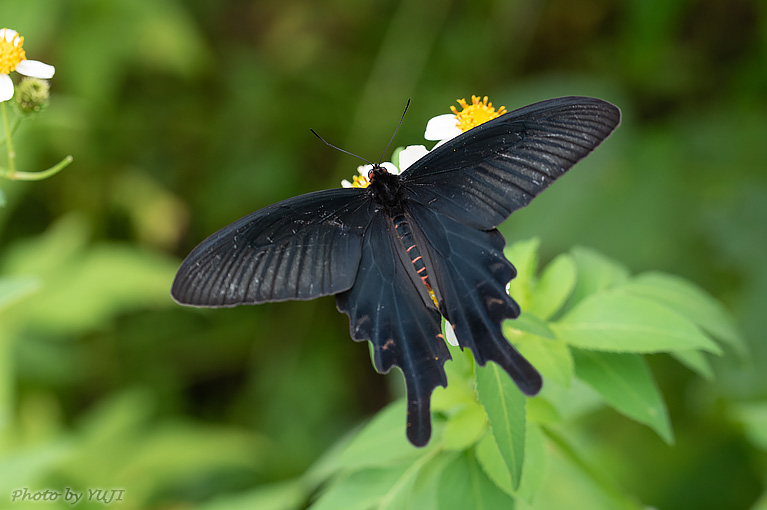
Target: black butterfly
(410,248)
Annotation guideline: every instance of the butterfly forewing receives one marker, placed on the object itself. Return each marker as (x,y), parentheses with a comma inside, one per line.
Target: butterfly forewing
(480,177)
(301,248)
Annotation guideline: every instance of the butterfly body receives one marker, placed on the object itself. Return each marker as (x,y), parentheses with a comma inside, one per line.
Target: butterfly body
(409,249)
(407,240)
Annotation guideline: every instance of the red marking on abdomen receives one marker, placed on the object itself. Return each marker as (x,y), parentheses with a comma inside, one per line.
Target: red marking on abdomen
(405,236)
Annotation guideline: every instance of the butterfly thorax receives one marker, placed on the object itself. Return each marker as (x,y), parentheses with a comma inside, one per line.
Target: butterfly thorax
(385,188)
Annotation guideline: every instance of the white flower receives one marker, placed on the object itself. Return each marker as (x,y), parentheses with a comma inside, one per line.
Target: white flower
(12,58)
(444,127)
(410,155)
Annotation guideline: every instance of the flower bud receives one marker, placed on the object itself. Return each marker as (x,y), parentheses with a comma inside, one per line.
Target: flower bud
(32,95)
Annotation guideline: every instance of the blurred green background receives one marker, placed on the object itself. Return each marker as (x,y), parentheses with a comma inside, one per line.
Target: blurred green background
(183,116)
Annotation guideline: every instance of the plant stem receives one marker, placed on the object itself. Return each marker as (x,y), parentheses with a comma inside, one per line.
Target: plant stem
(14,127)
(11,172)
(36,176)
(9,141)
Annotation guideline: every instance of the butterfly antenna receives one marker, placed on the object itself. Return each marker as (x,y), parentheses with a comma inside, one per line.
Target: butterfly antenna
(395,132)
(339,148)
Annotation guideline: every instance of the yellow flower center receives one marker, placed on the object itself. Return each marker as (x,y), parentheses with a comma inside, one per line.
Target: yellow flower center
(11,53)
(476,113)
(360,181)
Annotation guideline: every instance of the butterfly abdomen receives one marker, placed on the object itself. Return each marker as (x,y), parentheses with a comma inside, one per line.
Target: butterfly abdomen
(405,236)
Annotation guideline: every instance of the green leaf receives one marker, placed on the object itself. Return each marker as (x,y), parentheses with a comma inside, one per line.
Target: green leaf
(491,460)
(369,488)
(461,362)
(287,495)
(382,442)
(550,357)
(13,289)
(400,494)
(23,466)
(613,321)
(541,410)
(44,255)
(505,408)
(535,464)
(753,417)
(527,323)
(695,361)
(580,480)
(552,289)
(690,301)
(626,384)
(151,455)
(564,404)
(425,493)
(465,485)
(105,280)
(524,256)
(595,273)
(388,488)
(84,286)
(761,503)
(464,428)
(328,463)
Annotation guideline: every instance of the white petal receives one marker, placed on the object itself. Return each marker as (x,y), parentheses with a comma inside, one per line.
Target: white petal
(363,170)
(390,167)
(9,34)
(441,127)
(410,155)
(6,87)
(450,334)
(346,184)
(35,69)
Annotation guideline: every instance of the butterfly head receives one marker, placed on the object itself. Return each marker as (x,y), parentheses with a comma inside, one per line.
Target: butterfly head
(384,186)
(375,170)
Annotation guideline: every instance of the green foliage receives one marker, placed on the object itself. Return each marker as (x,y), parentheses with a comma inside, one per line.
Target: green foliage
(85,286)
(487,450)
(492,447)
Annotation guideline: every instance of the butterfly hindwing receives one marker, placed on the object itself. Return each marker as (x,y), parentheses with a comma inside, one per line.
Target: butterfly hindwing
(301,248)
(469,273)
(389,306)
(480,177)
